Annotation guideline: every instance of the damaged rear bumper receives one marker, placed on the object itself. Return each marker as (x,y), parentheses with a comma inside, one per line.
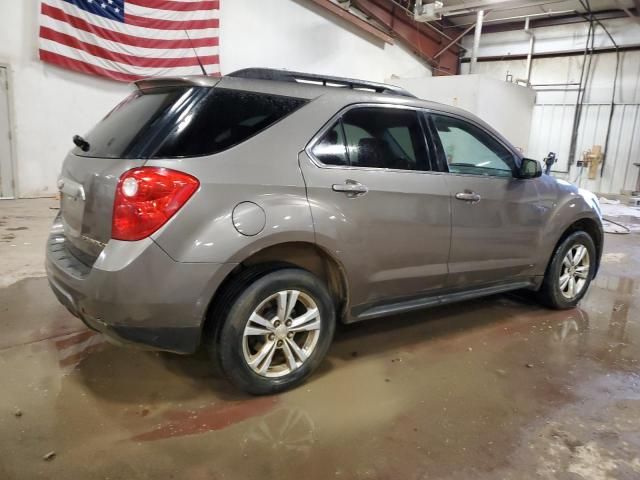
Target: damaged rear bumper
(135,293)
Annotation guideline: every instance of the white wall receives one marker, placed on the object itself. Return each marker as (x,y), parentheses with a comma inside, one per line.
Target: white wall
(51,104)
(298,34)
(553,113)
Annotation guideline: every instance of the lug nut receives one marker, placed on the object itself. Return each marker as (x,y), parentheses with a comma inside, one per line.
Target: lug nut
(288,324)
(290,335)
(277,323)
(279,343)
(272,336)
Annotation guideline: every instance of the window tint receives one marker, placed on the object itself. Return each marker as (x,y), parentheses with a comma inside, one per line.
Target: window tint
(330,150)
(384,138)
(119,133)
(468,149)
(223,119)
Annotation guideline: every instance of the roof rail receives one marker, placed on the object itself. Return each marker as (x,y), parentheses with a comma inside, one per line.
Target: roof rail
(325,80)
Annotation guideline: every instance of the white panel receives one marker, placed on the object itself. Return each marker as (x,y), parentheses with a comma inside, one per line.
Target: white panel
(505,106)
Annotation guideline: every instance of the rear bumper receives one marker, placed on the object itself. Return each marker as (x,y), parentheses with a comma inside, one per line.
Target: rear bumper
(135,293)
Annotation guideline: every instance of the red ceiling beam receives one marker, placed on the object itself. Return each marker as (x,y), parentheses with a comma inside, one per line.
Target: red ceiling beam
(422,40)
(355,20)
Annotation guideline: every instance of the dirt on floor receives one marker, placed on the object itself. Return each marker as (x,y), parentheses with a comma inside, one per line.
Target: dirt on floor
(493,388)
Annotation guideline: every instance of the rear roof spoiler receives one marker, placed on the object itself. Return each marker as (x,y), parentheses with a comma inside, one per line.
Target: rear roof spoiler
(187,81)
(325,80)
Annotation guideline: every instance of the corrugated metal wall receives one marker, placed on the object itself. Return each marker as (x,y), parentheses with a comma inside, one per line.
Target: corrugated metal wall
(553,115)
(551,131)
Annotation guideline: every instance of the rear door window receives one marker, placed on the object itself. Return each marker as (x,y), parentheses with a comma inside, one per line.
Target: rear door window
(375,137)
(223,119)
(384,138)
(331,149)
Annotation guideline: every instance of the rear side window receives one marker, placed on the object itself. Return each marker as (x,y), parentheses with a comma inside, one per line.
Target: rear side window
(225,118)
(179,122)
(375,137)
(120,133)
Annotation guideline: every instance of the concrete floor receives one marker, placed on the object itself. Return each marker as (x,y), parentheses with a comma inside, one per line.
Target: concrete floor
(494,388)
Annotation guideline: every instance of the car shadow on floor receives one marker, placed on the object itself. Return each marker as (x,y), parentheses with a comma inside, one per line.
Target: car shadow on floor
(129,375)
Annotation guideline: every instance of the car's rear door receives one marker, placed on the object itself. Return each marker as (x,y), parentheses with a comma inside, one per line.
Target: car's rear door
(376,204)
(496,218)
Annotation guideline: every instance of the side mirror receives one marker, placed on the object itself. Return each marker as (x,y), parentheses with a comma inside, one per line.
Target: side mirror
(530,168)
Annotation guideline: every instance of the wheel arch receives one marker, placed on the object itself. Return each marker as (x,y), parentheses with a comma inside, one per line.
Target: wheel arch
(300,254)
(588,225)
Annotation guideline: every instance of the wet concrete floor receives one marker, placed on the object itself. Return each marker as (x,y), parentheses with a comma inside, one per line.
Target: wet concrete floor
(493,388)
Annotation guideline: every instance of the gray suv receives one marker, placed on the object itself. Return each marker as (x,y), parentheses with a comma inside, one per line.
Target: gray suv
(252,212)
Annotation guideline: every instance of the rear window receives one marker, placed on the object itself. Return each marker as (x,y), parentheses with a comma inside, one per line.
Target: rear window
(184,122)
(223,119)
(122,132)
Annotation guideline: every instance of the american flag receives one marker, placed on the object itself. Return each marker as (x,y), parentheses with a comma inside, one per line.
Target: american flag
(131,39)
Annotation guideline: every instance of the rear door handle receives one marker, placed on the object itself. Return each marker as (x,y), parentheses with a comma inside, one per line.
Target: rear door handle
(468,196)
(350,187)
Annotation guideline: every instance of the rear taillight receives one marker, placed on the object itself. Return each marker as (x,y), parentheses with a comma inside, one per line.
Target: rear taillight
(146,198)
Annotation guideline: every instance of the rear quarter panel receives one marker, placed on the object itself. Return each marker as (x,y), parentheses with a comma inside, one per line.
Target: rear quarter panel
(263,170)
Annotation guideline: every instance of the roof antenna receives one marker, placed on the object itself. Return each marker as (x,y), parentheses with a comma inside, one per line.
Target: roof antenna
(204,72)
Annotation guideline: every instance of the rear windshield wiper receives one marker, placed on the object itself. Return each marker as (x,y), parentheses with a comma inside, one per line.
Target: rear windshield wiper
(81,143)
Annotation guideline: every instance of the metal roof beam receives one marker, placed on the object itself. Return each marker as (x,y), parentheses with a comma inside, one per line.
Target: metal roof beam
(424,40)
(471,7)
(551,21)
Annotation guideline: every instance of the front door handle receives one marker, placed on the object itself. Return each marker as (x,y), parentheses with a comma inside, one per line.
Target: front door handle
(350,187)
(468,196)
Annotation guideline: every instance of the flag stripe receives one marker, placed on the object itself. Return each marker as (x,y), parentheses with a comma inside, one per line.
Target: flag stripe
(97,22)
(168,15)
(136,71)
(122,38)
(170,24)
(84,67)
(88,37)
(134,60)
(177,6)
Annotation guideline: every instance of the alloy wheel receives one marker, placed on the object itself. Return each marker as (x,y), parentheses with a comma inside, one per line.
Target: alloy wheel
(574,271)
(281,333)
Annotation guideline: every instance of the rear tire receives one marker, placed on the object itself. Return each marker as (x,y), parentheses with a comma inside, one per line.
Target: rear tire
(570,272)
(262,353)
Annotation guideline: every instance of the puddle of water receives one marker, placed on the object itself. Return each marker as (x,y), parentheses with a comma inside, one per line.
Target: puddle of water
(498,387)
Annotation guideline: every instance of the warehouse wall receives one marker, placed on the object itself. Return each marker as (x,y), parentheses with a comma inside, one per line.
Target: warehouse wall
(51,104)
(553,115)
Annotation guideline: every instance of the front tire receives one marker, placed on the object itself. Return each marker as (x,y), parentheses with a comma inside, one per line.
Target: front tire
(276,330)
(570,272)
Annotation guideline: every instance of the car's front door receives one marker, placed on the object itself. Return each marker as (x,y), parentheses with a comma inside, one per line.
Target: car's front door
(376,205)
(496,218)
